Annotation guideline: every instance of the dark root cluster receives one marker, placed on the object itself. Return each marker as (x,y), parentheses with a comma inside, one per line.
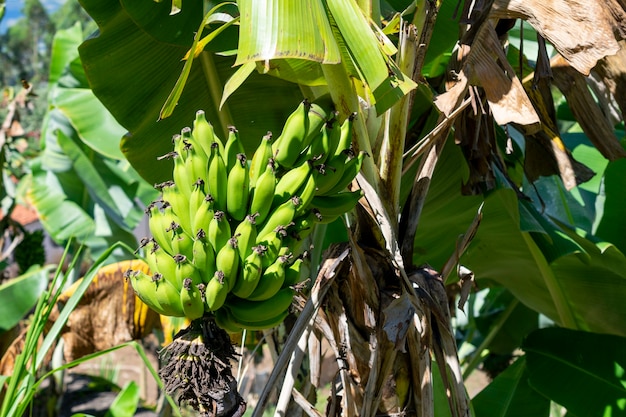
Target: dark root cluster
(196,370)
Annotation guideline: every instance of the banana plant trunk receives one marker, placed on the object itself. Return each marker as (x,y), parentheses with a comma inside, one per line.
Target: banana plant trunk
(385,332)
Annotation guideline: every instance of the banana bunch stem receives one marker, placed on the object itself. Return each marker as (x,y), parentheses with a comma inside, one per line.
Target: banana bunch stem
(196,369)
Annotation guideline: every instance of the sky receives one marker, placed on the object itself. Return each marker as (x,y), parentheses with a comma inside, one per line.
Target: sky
(14,11)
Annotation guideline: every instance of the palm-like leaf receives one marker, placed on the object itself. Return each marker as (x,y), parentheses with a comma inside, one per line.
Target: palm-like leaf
(78,184)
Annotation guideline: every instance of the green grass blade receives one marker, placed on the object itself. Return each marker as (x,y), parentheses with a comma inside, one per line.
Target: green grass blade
(72,302)
(16,394)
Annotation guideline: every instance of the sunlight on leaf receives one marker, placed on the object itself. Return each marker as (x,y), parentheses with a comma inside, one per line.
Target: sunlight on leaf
(284,29)
(510,395)
(197,47)
(19,295)
(579,378)
(224,18)
(238,78)
(125,404)
(384,79)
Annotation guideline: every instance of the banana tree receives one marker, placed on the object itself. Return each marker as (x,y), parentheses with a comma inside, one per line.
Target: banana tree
(475,167)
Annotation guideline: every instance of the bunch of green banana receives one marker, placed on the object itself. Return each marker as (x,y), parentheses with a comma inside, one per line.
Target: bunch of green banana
(228,231)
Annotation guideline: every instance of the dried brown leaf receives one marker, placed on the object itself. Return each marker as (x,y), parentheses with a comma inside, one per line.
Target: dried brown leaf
(487,66)
(398,319)
(612,71)
(581,30)
(585,109)
(443,342)
(109,313)
(467,284)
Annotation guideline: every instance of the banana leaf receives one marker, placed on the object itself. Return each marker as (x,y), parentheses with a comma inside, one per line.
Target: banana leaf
(79,184)
(543,262)
(584,372)
(132,72)
(19,295)
(510,395)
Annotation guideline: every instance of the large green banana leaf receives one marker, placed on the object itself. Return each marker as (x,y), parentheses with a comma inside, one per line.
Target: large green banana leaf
(133,67)
(132,72)
(80,185)
(19,295)
(577,282)
(509,395)
(582,371)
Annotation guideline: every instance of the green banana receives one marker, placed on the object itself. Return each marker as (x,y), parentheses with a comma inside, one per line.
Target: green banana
(290,182)
(181,174)
(262,194)
(227,260)
(145,289)
(272,242)
(332,170)
(246,236)
(225,321)
(320,147)
(261,325)
(203,216)
(333,206)
(178,201)
(197,166)
(182,243)
(185,268)
(184,175)
(203,256)
(271,281)
(218,231)
(293,246)
(258,311)
(191,299)
(298,131)
(232,148)
(204,134)
(217,179)
(288,145)
(179,148)
(331,173)
(251,271)
(296,272)
(168,296)
(303,225)
(352,168)
(282,216)
(260,158)
(345,137)
(216,291)
(160,261)
(158,222)
(307,192)
(196,200)
(195,149)
(237,194)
